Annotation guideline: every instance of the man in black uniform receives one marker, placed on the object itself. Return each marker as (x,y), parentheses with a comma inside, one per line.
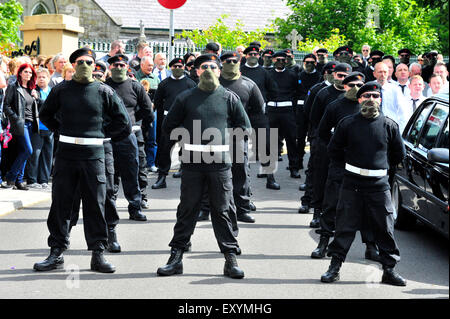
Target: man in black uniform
(307,187)
(308,77)
(205,162)
(368,144)
(344,106)
(404,55)
(129,165)
(290,61)
(322,59)
(281,108)
(375,57)
(323,98)
(429,61)
(266,56)
(166,93)
(84,112)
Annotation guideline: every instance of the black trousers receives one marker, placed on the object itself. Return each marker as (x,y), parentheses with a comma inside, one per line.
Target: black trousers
(302,130)
(330,201)
(352,208)
(163,158)
(320,174)
(309,175)
(223,219)
(111,216)
(89,175)
(127,167)
(285,123)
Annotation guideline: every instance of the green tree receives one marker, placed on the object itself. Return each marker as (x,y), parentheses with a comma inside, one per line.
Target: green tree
(10,21)
(229,38)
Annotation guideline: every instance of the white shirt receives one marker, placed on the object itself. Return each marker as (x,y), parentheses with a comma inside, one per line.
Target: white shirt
(164,73)
(55,79)
(406,91)
(410,101)
(394,105)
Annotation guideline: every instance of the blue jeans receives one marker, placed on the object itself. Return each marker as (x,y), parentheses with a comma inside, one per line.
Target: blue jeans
(40,163)
(151,146)
(24,151)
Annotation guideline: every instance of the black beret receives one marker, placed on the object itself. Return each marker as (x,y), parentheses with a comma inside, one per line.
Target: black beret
(288,51)
(252,48)
(176,60)
(187,56)
(118,58)
(343,67)
(279,54)
(405,51)
(190,63)
(206,58)
(268,51)
(343,48)
(230,54)
(376,52)
(372,86)
(389,57)
(329,66)
(310,55)
(354,76)
(255,43)
(81,52)
(322,50)
(213,46)
(100,66)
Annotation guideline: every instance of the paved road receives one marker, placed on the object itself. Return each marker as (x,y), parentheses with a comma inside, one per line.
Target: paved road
(275,257)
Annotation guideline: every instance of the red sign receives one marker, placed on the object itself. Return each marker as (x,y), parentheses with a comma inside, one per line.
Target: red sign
(172,4)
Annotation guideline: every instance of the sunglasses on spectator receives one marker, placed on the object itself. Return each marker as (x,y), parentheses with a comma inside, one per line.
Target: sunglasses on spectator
(88,62)
(208,66)
(231,61)
(369,95)
(352,85)
(365,50)
(119,65)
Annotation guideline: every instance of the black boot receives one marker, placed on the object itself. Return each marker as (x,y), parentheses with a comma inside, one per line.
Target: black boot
(177,174)
(295,173)
(144,202)
(271,183)
(98,263)
(137,215)
(252,207)
(391,277)
(188,247)
(315,223)
(21,186)
(174,265)
(54,261)
(231,268)
(160,182)
(321,249)
(203,215)
(113,245)
(304,209)
(302,187)
(333,271)
(372,252)
(245,218)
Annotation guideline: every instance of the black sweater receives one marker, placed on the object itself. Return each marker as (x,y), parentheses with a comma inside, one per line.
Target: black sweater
(260,76)
(168,90)
(307,81)
(288,88)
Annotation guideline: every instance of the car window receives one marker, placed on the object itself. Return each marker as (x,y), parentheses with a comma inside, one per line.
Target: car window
(416,127)
(443,140)
(433,126)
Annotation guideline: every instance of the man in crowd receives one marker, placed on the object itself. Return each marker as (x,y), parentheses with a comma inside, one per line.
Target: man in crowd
(58,63)
(375,57)
(416,86)
(160,69)
(441,69)
(117,47)
(402,75)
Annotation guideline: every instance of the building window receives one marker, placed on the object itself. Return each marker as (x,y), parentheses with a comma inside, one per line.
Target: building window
(39,8)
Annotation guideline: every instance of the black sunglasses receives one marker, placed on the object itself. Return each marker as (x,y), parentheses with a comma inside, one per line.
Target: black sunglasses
(119,65)
(97,76)
(404,55)
(231,61)
(177,66)
(352,85)
(369,95)
(253,54)
(309,62)
(208,66)
(281,59)
(340,76)
(88,62)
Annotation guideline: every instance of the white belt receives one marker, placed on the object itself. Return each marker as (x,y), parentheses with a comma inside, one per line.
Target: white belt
(81,140)
(300,102)
(366,172)
(206,148)
(280,104)
(135,128)
(166,112)
(107,139)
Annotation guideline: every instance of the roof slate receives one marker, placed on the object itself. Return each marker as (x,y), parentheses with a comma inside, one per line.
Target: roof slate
(195,14)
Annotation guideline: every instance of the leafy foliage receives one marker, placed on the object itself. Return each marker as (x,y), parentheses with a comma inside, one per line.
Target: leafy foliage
(10,21)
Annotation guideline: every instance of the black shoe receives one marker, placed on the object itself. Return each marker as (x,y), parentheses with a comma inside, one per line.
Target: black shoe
(174,265)
(113,245)
(315,222)
(295,173)
(144,202)
(245,218)
(54,261)
(21,186)
(188,247)
(252,207)
(177,174)
(391,277)
(8,185)
(332,274)
(280,158)
(304,209)
(138,216)
(372,252)
(98,263)
(271,183)
(238,251)
(302,187)
(261,175)
(321,249)
(160,182)
(231,268)
(203,215)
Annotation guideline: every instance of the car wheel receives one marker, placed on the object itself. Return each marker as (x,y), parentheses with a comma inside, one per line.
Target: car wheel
(402,218)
